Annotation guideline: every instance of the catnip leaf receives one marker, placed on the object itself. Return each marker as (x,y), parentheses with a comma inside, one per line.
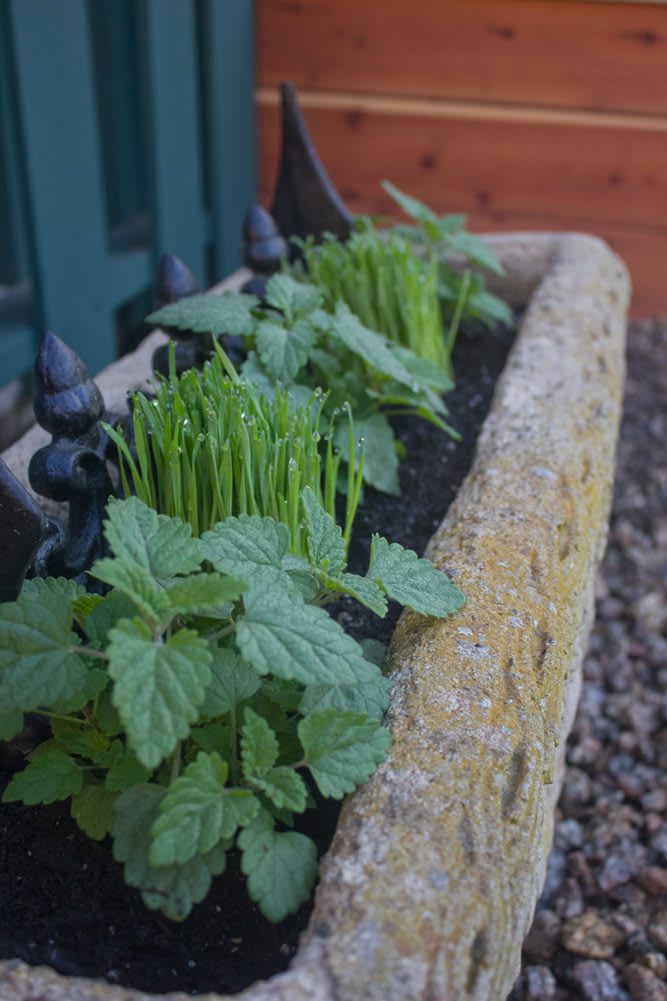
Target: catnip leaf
(246,545)
(209,313)
(172,889)
(124,770)
(11,723)
(375,436)
(106,614)
(326,545)
(281,867)
(198,812)
(284,350)
(413,582)
(137,585)
(368,345)
(291,297)
(295,641)
(232,680)
(423,370)
(259,747)
(162,546)
(78,739)
(342,749)
(284,787)
(38,662)
(252,371)
(49,776)
(85,604)
(212,737)
(411,206)
(158,686)
(374,650)
(93,810)
(55,585)
(360,588)
(371,698)
(201,591)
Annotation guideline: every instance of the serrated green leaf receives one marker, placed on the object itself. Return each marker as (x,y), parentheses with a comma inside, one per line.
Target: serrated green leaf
(363,590)
(158,686)
(326,546)
(284,787)
(371,698)
(54,585)
(209,313)
(259,746)
(198,812)
(162,546)
(284,350)
(371,347)
(413,582)
(291,297)
(252,371)
(85,604)
(423,370)
(203,591)
(246,545)
(107,715)
(38,666)
(171,889)
(79,739)
(411,206)
(106,614)
(11,723)
(342,749)
(232,680)
(375,436)
(212,737)
(93,810)
(281,867)
(137,585)
(124,770)
(296,641)
(49,776)
(374,650)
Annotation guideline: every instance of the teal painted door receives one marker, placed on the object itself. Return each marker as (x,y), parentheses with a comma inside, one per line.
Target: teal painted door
(126,130)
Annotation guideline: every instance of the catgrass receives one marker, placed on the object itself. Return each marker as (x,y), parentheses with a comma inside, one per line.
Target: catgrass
(386,284)
(209,446)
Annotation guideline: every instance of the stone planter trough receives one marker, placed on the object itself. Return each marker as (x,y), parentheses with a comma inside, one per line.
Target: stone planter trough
(431,881)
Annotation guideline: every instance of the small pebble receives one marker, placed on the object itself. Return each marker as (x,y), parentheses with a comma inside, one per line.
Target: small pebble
(643,984)
(597,981)
(590,936)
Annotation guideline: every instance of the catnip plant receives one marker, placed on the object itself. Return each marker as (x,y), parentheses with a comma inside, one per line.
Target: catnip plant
(196,706)
(295,342)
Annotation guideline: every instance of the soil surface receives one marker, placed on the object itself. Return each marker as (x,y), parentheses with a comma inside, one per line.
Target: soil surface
(63,901)
(600,931)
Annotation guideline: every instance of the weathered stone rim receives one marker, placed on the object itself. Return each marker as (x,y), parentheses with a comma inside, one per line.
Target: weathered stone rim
(388,924)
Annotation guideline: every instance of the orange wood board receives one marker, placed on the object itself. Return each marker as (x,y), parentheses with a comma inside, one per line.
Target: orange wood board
(550,53)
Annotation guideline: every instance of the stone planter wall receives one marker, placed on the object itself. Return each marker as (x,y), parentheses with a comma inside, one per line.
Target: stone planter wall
(432,878)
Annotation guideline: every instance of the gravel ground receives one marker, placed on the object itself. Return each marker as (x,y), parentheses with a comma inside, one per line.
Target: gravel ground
(600,930)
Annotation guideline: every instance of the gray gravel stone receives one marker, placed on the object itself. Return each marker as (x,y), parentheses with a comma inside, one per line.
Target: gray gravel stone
(597,981)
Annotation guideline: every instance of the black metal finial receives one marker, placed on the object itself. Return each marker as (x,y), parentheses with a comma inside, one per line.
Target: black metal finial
(305,202)
(72,467)
(23,526)
(175,281)
(264,249)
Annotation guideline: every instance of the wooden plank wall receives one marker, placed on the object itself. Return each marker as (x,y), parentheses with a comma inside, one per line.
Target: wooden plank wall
(524,114)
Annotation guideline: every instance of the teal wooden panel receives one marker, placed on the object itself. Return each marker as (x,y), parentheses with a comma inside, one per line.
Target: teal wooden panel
(174,133)
(17,344)
(56,100)
(227,42)
(14,246)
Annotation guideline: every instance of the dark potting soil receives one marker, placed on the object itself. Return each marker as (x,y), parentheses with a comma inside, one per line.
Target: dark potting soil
(63,901)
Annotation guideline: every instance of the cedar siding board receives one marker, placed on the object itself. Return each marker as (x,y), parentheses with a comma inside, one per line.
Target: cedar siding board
(529,114)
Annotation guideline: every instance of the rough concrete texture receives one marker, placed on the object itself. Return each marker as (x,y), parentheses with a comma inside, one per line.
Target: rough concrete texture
(431,881)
